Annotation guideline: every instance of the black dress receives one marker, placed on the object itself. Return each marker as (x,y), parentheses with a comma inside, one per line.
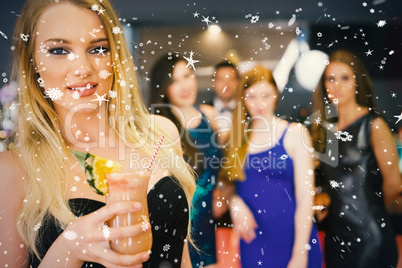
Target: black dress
(168,213)
(358,232)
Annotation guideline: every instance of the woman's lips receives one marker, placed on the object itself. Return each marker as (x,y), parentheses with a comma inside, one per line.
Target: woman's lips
(185,95)
(83,89)
(334,96)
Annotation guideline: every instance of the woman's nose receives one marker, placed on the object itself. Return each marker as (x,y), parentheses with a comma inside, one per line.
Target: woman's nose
(337,85)
(82,66)
(184,85)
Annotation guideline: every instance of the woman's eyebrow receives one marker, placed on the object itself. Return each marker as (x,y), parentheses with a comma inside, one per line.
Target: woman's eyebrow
(59,40)
(99,40)
(65,41)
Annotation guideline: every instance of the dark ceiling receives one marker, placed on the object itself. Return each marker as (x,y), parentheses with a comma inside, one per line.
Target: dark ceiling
(180,12)
(168,12)
(332,15)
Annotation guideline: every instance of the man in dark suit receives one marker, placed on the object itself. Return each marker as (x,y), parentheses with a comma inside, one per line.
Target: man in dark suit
(225,81)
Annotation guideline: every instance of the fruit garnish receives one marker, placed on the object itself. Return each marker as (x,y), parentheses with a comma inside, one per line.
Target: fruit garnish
(96,168)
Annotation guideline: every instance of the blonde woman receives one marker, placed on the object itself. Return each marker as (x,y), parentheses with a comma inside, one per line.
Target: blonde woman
(270,163)
(78,91)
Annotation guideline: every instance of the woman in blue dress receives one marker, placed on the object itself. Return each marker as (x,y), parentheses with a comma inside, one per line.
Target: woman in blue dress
(272,167)
(174,92)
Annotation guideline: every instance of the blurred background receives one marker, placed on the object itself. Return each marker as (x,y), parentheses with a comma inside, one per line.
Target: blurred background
(287,36)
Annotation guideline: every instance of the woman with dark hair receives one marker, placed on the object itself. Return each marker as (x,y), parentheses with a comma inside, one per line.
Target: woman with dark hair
(358,167)
(174,92)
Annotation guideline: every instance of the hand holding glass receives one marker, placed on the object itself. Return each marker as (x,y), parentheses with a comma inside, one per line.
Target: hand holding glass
(130,187)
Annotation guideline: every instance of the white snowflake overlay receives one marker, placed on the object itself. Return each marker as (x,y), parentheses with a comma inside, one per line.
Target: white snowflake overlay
(334,184)
(320,207)
(75,95)
(381,23)
(37,226)
(343,135)
(166,247)
(70,235)
(72,56)
(103,74)
(191,61)
(112,94)
(24,37)
(54,93)
(253,19)
(109,163)
(100,98)
(292,20)
(40,82)
(144,224)
(105,231)
(116,30)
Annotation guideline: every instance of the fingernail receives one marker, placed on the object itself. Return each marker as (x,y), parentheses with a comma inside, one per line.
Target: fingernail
(145,257)
(137,205)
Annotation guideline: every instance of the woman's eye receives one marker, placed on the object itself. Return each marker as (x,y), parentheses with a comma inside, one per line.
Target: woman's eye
(99,50)
(345,78)
(330,79)
(58,51)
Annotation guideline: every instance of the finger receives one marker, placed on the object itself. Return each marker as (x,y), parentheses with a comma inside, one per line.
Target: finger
(113,259)
(127,231)
(249,236)
(113,209)
(252,235)
(254,225)
(245,237)
(111,265)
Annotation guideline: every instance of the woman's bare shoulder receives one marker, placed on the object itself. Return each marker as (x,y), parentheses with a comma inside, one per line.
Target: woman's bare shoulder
(208,110)
(166,124)
(297,139)
(297,130)
(12,175)
(12,193)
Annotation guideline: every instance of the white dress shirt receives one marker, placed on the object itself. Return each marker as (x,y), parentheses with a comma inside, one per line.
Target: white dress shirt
(224,113)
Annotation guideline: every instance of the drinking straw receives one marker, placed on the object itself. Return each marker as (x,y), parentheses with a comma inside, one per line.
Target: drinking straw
(151,161)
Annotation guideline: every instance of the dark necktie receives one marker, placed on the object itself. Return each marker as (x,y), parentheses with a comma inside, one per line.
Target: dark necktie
(225,109)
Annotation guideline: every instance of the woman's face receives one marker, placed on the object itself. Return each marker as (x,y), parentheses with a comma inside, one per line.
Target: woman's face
(182,92)
(340,83)
(260,99)
(72,56)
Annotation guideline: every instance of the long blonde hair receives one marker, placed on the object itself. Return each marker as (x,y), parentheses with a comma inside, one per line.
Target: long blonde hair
(237,150)
(44,154)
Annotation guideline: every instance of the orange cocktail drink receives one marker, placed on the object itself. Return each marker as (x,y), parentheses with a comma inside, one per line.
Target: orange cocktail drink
(130,187)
